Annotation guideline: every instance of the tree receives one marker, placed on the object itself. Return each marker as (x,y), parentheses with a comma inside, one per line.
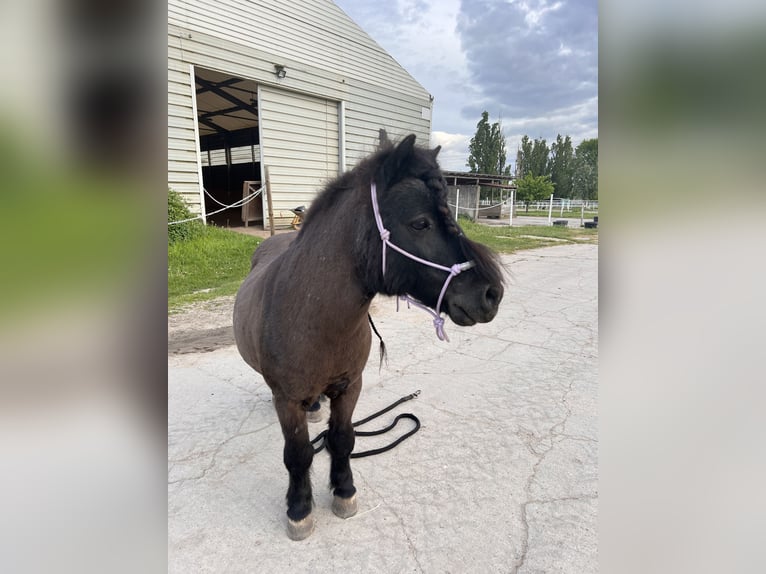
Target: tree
(487,148)
(532,157)
(533,188)
(561,166)
(585,173)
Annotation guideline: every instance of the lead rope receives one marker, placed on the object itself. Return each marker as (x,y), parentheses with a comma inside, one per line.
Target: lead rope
(323,435)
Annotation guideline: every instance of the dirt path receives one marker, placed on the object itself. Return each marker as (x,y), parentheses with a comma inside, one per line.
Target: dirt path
(201,327)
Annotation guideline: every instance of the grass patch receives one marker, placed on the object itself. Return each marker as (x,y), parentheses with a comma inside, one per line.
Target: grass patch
(504,239)
(209,265)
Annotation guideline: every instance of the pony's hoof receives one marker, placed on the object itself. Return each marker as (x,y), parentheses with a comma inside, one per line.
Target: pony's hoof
(300,529)
(314,416)
(344,507)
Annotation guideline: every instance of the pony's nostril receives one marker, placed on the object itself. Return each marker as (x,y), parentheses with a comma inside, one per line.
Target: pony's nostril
(493,295)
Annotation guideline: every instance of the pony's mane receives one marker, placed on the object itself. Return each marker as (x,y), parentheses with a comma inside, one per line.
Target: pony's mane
(421,164)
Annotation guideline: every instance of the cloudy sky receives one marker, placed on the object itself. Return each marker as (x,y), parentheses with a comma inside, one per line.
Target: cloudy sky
(532,64)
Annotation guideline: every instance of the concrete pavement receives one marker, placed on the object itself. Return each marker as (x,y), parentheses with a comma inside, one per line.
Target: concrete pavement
(502,476)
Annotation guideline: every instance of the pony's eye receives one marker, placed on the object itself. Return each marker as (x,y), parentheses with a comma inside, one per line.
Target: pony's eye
(420,224)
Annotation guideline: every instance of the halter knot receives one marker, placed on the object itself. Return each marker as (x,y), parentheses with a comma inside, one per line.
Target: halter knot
(439,325)
(385,234)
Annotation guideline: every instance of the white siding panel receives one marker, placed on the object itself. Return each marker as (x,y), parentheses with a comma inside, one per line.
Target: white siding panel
(181,155)
(181,135)
(217,157)
(299,142)
(183,175)
(183,171)
(245,154)
(181,122)
(363,121)
(182,145)
(178,105)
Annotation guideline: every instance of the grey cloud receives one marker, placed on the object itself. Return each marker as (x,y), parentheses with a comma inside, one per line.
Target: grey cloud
(520,68)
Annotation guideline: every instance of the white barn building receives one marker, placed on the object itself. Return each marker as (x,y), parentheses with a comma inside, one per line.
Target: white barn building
(294,85)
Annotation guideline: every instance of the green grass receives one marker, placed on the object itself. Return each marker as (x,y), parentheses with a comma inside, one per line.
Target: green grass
(207,266)
(504,239)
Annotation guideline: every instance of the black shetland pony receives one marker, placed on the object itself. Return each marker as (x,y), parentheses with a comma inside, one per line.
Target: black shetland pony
(300,317)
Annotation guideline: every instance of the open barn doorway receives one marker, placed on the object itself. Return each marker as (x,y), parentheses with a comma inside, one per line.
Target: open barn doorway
(229,142)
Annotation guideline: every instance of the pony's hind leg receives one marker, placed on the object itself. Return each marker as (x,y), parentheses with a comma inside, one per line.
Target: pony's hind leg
(298,454)
(340,443)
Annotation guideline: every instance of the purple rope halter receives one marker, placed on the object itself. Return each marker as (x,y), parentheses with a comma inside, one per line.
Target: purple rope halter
(453,271)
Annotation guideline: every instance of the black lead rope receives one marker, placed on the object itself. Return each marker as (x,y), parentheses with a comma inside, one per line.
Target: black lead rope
(321,436)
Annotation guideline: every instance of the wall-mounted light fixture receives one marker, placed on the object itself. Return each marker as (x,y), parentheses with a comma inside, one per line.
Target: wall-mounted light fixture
(280,71)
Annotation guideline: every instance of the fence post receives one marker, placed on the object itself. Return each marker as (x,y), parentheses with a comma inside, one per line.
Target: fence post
(457,203)
(550,210)
(268,201)
(582,213)
(510,217)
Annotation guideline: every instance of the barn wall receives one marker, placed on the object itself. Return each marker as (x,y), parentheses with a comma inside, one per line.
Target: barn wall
(327,56)
(183,171)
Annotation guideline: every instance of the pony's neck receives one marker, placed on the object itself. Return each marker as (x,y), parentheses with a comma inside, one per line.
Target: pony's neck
(328,249)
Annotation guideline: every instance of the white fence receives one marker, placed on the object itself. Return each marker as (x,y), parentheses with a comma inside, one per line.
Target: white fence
(558,204)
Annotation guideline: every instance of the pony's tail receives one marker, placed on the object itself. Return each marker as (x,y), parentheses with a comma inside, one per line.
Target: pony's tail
(383,353)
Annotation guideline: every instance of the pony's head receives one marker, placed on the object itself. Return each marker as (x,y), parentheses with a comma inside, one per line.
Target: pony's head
(412,198)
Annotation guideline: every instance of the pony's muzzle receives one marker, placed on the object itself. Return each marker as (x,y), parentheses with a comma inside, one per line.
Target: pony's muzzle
(476,305)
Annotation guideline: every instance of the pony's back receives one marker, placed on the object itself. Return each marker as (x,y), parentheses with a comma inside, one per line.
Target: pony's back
(271,248)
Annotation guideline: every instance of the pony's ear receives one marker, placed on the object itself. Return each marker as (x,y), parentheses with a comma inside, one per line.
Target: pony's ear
(436,151)
(406,146)
(396,163)
(383,140)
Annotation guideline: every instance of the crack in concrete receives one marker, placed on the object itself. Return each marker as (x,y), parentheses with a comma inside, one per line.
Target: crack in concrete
(217,450)
(555,431)
(575,498)
(410,545)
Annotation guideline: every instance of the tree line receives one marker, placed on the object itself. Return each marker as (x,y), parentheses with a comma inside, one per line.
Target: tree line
(541,169)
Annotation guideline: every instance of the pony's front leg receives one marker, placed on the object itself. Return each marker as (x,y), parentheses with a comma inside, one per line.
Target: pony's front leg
(340,443)
(298,454)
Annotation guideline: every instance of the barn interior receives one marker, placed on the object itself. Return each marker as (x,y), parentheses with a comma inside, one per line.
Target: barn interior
(227,116)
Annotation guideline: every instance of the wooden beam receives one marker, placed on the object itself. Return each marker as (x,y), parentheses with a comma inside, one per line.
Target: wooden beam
(211,125)
(222,112)
(227,96)
(223,84)
(268,201)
